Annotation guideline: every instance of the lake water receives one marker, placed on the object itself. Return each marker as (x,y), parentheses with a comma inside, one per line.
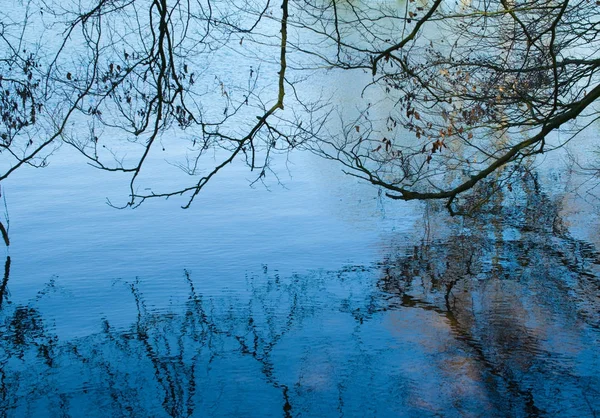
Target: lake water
(316,297)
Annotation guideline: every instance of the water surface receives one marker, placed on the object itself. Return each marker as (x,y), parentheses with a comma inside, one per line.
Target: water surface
(319,298)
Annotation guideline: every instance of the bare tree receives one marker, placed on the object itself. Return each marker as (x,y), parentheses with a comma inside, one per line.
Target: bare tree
(481,88)
(464,92)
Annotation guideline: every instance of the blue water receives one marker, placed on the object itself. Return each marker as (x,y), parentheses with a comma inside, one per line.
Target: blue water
(316,298)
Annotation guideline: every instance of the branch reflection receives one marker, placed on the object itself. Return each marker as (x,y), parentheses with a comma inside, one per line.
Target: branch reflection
(490,315)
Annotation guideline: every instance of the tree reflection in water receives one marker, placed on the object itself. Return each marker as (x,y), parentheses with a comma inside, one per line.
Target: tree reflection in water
(490,315)
(521,298)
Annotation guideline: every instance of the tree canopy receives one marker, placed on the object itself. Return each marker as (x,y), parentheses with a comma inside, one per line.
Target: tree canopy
(453,97)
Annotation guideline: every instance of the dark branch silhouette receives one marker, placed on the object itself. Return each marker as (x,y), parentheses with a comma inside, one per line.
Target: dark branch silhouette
(447,95)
